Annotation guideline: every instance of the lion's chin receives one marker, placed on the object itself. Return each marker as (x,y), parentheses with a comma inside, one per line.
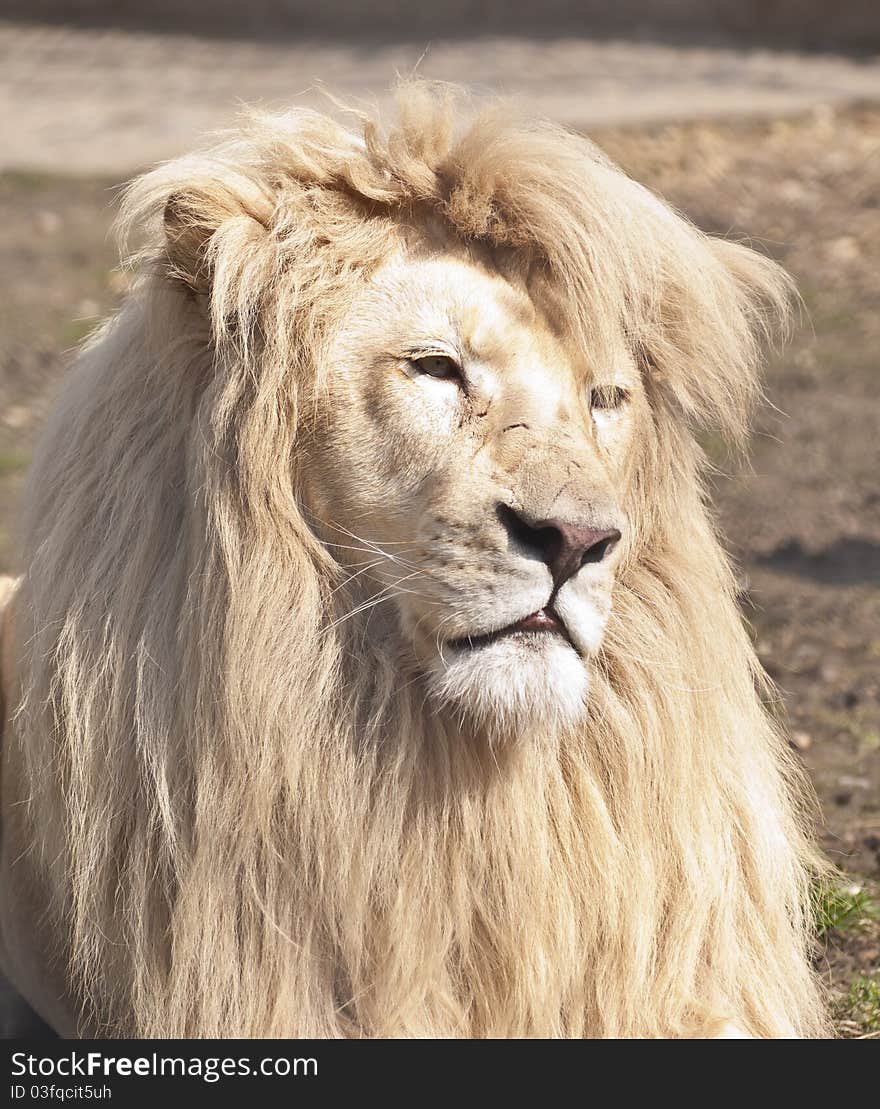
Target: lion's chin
(508,687)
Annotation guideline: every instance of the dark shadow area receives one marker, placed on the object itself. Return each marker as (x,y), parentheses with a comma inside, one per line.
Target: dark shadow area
(852,26)
(847,561)
(17,1018)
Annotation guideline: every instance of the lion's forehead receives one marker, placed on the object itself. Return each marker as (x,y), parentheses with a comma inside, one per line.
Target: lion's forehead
(486,313)
(514,348)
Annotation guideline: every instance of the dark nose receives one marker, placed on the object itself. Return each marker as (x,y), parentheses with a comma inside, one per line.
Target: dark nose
(563,546)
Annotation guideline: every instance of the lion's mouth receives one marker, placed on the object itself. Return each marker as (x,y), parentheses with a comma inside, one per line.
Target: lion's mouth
(543,622)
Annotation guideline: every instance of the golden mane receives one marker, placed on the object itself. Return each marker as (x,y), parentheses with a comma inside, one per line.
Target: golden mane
(249,824)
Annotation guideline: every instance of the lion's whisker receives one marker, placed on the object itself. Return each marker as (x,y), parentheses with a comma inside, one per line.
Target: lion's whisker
(390,592)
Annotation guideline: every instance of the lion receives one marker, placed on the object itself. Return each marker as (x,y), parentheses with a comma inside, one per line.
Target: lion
(376,667)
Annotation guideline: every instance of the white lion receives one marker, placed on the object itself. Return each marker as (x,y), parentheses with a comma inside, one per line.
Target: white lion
(376,669)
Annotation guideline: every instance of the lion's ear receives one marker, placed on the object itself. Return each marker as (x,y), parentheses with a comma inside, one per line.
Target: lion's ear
(768,293)
(756,299)
(198,220)
(722,305)
(188,231)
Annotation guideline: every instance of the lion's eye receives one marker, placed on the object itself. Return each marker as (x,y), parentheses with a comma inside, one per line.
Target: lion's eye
(606,397)
(439,366)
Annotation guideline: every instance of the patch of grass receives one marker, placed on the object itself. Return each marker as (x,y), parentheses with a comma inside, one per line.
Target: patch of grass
(857,1013)
(27,178)
(716,447)
(828,318)
(857,724)
(12,462)
(869,740)
(825,311)
(846,915)
(839,907)
(75,331)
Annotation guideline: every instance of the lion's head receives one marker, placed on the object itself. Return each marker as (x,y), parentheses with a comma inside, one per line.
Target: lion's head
(478,465)
(474,453)
(369,560)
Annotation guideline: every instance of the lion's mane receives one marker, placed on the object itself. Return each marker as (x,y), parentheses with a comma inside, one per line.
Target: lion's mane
(249,821)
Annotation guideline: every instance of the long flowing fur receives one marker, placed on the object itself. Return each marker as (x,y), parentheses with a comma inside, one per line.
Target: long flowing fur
(251,824)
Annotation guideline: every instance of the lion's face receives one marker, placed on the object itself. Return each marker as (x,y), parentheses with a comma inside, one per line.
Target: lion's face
(473,472)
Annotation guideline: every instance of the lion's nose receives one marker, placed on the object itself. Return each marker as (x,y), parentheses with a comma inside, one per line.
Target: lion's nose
(563,546)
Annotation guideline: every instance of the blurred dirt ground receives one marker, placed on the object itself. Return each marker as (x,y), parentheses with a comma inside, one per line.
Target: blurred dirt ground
(802,517)
(96,100)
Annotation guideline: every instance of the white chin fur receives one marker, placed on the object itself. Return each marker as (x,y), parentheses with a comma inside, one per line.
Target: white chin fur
(514,684)
(585,616)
